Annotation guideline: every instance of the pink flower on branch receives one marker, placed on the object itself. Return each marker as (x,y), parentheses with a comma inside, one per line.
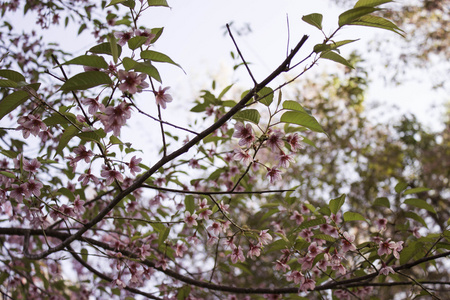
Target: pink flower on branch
(123,36)
(237,255)
(132,82)
(190,220)
(111,175)
(83,154)
(147,33)
(134,165)
(162,98)
(274,174)
(347,242)
(115,117)
(31,166)
(245,133)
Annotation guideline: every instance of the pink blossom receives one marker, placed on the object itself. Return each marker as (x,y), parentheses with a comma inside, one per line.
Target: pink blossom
(111,175)
(386,270)
(245,133)
(193,163)
(237,255)
(83,154)
(162,263)
(381,224)
(33,187)
(134,165)
(337,218)
(347,242)
(308,285)
(254,250)
(147,33)
(296,276)
(115,117)
(416,232)
(294,141)
(306,262)
(119,283)
(285,160)
(93,105)
(123,36)
(30,124)
(132,82)
(274,174)
(314,250)
(18,191)
(243,156)
(275,141)
(86,177)
(189,219)
(385,247)
(203,203)
(264,237)
(297,217)
(31,166)
(306,234)
(204,214)
(396,248)
(279,265)
(78,205)
(162,98)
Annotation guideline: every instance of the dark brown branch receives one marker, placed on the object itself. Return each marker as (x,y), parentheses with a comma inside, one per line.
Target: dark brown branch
(353,282)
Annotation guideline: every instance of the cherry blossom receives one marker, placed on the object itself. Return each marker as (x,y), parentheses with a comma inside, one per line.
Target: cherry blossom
(297,217)
(347,242)
(93,105)
(83,154)
(111,175)
(275,141)
(244,133)
(162,98)
(31,166)
(274,174)
(132,82)
(147,33)
(243,156)
(190,220)
(296,276)
(123,37)
(386,270)
(264,237)
(133,165)
(237,255)
(294,141)
(254,250)
(115,117)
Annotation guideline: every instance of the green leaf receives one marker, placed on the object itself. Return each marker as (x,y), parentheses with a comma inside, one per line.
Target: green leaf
(265,96)
(419,203)
(409,251)
(136,41)
(158,57)
(416,217)
(352,216)
(183,292)
(84,254)
(324,237)
(8,174)
(416,190)
(105,48)
(312,223)
(7,83)
(11,102)
(382,201)
(114,47)
(157,32)
(163,236)
(86,80)
(88,60)
(354,14)
(303,119)
(225,90)
(12,75)
(128,3)
(335,57)
(336,204)
(92,135)
(371,3)
(314,20)
(189,203)
(293,105)
(157,3)
(331,46)
(400,187)
(377,22)
(144,67)
(251,115)
(67,135)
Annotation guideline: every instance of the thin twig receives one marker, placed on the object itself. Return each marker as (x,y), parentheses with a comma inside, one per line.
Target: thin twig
(158,188)
(240,54)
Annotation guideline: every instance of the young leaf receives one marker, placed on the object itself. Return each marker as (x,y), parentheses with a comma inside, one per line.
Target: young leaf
(136,41)
(157,3)
(336,204)
(400,187)
(352,216)
(314,20)
(355,13)
(158,57)
(144,67)
(331,46)
(420,204)
(105,48)
(335,57)
(293,105)
(382,201)
(303,119)
(7,83)
(377,22)
(251,115)
(416,190)
(371,3)
(12,75)
(265,96)
(67,135)
(10,102)
(416,217)
(85,81)
(88,60)
(114,47)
